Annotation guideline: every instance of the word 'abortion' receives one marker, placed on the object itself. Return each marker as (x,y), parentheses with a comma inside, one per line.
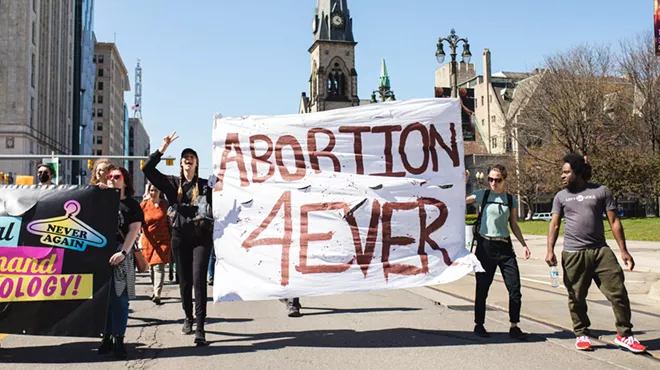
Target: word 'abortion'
(263,148)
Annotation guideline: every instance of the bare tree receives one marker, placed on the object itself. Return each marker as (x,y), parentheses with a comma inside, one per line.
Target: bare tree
(535,177)
(639,63)
(570,103)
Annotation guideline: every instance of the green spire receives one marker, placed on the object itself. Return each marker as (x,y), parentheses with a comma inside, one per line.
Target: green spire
(384,77)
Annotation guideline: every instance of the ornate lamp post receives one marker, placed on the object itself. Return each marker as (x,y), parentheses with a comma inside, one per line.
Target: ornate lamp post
(453,40)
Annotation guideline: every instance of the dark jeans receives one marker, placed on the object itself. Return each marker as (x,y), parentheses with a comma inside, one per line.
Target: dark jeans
(192,260)
(212,264)
(117,313)
(601,266)
(494,254)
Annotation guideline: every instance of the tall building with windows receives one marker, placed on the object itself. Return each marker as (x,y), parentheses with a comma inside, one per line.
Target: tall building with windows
(138,145)
(108,111)
(83,86)
(36,82)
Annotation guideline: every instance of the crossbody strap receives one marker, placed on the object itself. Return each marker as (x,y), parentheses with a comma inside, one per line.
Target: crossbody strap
(481,213)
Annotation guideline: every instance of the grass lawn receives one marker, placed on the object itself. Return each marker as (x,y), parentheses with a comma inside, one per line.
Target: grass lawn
(643,229)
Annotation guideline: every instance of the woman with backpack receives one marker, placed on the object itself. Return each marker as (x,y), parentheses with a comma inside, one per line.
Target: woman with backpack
(494,248)
(192,230)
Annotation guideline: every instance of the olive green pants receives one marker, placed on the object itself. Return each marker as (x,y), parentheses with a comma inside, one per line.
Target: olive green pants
(601,266)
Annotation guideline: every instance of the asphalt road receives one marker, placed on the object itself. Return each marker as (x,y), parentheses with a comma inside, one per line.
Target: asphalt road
(376,330)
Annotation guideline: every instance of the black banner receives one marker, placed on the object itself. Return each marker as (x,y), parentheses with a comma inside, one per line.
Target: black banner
(55,247)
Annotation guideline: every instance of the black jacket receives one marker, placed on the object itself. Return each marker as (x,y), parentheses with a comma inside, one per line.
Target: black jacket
(185,214)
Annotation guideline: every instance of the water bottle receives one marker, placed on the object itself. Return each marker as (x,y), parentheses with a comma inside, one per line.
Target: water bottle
(554,277)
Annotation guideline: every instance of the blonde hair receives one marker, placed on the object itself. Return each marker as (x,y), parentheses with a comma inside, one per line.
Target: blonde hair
(195,194)
(92,179)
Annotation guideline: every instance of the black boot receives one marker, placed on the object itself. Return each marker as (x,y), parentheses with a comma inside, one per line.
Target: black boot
(106,344)
(187,326)
(200,334)
(120,350)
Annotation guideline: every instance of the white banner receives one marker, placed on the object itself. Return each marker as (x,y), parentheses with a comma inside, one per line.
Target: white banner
(348,200)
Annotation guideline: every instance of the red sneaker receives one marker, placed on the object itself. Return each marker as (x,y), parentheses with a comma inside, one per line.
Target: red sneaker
(583,343)
(630,343)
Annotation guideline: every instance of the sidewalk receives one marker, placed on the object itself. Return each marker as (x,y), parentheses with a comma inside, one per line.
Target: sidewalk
(548,305)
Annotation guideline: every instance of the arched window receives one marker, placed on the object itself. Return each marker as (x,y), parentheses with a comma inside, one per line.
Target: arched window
(336,81)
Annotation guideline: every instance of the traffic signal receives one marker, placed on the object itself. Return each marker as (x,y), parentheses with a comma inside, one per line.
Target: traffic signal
(169,162)
(2,178)
(141,163)
(7,178)
(90,163)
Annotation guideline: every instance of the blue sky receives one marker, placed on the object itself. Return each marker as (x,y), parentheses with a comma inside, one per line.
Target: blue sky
(247,57)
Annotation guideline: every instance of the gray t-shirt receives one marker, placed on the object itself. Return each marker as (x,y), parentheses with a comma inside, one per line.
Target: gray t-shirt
(583,212)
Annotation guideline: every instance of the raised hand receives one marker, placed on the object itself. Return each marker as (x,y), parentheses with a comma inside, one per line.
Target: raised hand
(167,140)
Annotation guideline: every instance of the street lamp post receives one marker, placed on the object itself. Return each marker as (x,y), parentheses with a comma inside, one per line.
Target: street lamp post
(453,40)
(480,177)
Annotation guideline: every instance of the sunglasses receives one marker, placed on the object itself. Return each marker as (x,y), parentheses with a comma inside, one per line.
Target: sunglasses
(490,179)
(114,177)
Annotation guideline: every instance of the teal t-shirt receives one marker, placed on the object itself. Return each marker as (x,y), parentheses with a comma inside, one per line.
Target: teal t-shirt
(495,218)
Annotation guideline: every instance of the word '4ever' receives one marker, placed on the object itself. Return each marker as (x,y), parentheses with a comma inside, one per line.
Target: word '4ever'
(363,254)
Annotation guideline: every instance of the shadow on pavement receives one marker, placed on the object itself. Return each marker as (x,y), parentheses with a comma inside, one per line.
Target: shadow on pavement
(332,311)
(153,322)
(80,352)
(84,352)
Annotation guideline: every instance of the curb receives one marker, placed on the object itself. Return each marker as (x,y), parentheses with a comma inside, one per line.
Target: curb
(538,320)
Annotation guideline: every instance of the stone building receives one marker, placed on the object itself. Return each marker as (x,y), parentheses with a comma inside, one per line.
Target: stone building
(36,82)
(138,145)
(333,79)
(109,113)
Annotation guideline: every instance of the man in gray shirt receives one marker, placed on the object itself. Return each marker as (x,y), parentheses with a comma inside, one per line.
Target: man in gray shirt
(586,256)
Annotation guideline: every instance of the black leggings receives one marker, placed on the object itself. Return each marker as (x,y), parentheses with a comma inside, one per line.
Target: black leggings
(192,259)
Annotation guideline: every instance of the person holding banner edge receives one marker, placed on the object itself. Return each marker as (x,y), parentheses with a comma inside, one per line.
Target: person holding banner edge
(192,230)
(494,249)
(122,286)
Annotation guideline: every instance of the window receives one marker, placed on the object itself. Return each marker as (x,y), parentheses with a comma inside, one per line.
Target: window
(94,59)
(31,111)
(99,112)
(483,122)
(482,100)
(101,72)
(34,36)
(99,139)
(94,100)
(100,99)
(490,98)
(493,118)
(34,67)
(100,85)
(99,152)
(99,126)
(93,113)
(336,82)
(493,142)
(100,58)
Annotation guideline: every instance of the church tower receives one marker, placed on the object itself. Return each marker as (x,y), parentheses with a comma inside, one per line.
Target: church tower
(333,81)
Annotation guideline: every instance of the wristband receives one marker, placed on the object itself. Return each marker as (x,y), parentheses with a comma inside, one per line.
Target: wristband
(123,252)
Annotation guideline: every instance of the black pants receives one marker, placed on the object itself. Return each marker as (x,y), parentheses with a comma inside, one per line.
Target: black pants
(192,253)
(493,254)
